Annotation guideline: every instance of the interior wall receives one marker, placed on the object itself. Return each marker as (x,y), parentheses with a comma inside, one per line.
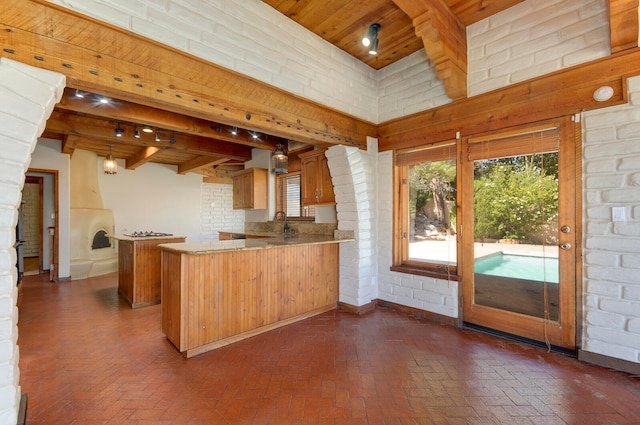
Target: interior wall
(155,198)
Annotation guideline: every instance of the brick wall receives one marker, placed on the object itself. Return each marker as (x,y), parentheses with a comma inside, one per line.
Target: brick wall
(27,97)
(612,248)
(535,38)
(217,211)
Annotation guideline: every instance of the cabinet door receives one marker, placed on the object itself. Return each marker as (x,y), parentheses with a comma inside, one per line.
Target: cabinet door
(325,185)
(310,191)
(247,190)
(238,192)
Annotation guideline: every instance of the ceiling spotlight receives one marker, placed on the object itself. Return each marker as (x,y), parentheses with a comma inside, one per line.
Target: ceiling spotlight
(234,131)
(172,140)
(219,128)
(104,100)
(255,135)
(373,49)
(147,129)
(119,131)
(136,133)
(79,93)
(157,136)
(372,34)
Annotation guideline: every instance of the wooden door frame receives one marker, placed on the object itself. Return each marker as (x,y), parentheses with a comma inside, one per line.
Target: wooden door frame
(40,182)
(56,208)
(566,333)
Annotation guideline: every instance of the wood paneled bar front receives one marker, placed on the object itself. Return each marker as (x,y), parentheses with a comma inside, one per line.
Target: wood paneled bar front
(139,268)
(217,293)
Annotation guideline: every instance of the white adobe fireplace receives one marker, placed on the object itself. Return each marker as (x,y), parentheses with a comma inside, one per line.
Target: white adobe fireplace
(91,252)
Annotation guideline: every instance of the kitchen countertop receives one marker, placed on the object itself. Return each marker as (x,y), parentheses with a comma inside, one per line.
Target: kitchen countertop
(143,238)
(245,244)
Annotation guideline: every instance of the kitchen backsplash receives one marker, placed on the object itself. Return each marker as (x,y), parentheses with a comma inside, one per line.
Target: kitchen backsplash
(298,226)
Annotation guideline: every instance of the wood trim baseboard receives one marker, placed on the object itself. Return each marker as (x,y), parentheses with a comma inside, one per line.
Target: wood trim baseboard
(423,314)
(609,362)
(359,310)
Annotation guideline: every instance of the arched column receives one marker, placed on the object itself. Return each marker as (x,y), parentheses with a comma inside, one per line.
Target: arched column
(27,98)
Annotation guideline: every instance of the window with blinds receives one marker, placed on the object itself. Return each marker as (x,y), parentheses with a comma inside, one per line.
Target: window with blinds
(289,197)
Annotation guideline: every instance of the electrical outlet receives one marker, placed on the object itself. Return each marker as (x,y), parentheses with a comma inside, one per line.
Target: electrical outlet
(617,214)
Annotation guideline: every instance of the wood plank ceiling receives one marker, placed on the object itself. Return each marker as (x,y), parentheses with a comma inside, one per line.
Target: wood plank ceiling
(197,145)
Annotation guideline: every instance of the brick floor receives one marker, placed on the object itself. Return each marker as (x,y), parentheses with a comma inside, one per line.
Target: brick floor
(86,358)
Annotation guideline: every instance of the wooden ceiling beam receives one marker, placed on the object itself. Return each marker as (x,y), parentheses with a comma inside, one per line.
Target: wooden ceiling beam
(119,110)
(562,93)
(198,163)
(624,26)
(62,123)
(445,41)
(141,157)
(101,58)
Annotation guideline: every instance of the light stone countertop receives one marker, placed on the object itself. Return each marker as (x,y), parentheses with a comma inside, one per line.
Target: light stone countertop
(143,238)
(246,244)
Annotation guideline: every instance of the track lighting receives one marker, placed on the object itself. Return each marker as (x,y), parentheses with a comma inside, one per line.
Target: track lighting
(136,133)
(119,131)
(157,136)
(147,129)
(219,128)
(255,135)
(79,93)
(371,38)
(234,131)
(172,140)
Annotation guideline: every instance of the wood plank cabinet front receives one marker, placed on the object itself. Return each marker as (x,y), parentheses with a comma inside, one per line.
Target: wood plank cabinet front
(213,299)
(139,270)
(250,189)
(317,187)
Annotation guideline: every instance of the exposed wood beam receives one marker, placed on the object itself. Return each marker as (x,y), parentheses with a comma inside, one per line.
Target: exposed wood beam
(134,113)
(63,123)
(198,163)
(445,41)
(624,27)
(562,93)
(101,58)
(471,11)
(141,157)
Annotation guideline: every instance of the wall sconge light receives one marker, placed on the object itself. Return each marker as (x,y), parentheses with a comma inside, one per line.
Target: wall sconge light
(279,160)
(371,38)
(119,131)
(110,165)
(602,94)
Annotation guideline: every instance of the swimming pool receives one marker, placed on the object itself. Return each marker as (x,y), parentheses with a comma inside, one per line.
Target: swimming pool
(518,266)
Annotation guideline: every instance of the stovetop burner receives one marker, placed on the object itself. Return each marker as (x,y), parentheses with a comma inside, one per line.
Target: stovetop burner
(147,234)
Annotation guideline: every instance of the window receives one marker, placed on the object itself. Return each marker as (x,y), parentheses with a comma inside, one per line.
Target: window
(425,240)
(289,195)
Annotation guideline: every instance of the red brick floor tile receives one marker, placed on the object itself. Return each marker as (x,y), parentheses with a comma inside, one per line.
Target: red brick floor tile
(87,358)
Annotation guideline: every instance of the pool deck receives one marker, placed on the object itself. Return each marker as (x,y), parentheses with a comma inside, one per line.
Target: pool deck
(445,251)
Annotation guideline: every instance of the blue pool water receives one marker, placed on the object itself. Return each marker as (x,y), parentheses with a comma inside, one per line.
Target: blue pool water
(519,266)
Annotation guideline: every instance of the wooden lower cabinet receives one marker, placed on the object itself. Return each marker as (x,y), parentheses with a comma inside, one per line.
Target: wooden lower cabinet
(215,299)
(139,270)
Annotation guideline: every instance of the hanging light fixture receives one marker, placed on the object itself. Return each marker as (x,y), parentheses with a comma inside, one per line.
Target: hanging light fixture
(110,164)
(279,160)
(371,38)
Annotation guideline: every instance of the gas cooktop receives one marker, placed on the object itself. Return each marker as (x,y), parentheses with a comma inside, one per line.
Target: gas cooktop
(147,234)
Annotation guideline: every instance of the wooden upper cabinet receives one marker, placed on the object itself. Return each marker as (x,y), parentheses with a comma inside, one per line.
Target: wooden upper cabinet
(250,189)
(317,188)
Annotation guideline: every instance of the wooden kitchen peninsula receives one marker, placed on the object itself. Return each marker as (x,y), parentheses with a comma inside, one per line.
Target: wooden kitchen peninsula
(139,267)
(217,293)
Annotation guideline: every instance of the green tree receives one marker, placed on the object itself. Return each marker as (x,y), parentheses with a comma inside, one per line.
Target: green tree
(514,199)
(433,181)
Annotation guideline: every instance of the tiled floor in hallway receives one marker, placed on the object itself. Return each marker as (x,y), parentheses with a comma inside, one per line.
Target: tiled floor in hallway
(86,358)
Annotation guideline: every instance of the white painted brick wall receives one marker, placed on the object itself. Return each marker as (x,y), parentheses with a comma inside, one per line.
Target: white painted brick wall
(424,293)
(534,38)
(252,38)
(611,155)
(217,211)
(27,97)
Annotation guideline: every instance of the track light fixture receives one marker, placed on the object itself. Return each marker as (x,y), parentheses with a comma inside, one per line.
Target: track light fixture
(136,133)
(172,140)
(119,131)
(234,131)
(147,129)
(255,135)
(371,38)
(157,139)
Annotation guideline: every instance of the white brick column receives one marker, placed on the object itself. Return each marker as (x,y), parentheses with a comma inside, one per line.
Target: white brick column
(353,176)
(612,248)
(27,97)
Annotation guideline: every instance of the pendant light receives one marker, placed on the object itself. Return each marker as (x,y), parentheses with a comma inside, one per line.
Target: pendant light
(110,165)
(279,160)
